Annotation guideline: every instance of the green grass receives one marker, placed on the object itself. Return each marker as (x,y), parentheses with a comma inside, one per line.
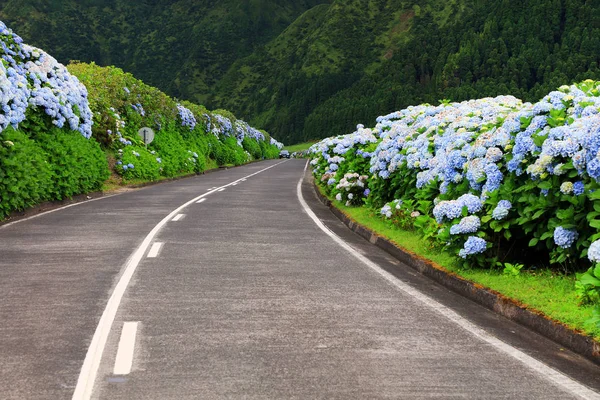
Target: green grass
(547,291)
(299,147)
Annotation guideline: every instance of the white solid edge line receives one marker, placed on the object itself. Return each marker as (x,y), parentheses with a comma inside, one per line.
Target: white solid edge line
(201,201)
(554,376)
(125,350)
(156,246)
(91,363)
(178,217)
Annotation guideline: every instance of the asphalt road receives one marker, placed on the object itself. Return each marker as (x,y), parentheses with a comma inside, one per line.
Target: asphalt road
(241,295)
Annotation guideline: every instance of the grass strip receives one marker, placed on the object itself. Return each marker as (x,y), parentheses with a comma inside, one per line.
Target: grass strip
(299,147)
(547,291)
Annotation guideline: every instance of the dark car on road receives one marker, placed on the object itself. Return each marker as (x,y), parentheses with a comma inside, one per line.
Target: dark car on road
(284,154)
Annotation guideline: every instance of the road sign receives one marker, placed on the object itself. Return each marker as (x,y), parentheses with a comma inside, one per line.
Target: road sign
(146,134)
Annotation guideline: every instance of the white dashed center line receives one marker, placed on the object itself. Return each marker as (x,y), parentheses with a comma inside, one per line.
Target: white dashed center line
(178,217)
(124,359)
(202,200)
(154,250)
(220,190)
(91,363)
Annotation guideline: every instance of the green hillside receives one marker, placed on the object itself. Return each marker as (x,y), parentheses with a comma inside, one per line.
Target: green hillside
(196,41)
(309,69)
(349,62)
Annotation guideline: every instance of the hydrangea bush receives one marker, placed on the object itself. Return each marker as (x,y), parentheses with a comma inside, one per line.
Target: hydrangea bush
(30,79)
(123,104)
(493,180)
(45,126)
(352,189)
(43,104)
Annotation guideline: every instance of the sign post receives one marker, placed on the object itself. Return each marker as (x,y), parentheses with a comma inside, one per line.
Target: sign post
(147,135)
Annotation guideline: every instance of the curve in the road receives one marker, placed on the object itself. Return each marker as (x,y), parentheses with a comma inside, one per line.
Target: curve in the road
(89,370)
(547,372)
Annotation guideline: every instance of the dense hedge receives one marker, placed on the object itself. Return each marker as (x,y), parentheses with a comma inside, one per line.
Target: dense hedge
(187,135)
(493,180)
(55,137)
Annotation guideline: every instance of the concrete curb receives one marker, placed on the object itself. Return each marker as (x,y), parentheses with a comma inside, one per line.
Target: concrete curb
(490,299)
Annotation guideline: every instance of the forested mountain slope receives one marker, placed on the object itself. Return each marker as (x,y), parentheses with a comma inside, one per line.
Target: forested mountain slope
(195,41)
(346,63)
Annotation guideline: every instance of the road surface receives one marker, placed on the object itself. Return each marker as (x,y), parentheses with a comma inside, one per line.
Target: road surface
(239,284)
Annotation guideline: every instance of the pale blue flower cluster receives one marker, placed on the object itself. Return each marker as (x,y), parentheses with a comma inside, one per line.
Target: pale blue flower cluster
(277,144)
(501,210)
(342,144)
(450,142)
(221,125)
(565,237)
(468,224)
(31,78)
(187,117)
(473,245)
(243,130)
(386,210)
(452,209)
(577,141)
(389,207)
(594,251)
(139,109)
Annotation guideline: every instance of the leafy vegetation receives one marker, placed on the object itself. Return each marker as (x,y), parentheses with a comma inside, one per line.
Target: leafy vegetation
(59,128)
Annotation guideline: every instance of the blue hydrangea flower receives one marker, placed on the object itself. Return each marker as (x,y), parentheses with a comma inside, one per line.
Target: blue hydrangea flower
(594,251)
(447,209)
(578,188)
(386,210)
(565,237)
(505,204)
(472,202)
(468,224)
(473,245)
(187,117)
(500,213)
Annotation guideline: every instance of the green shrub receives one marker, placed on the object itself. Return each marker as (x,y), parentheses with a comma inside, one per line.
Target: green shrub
(253,147)
(25,175)
(137,162)
(78,164)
